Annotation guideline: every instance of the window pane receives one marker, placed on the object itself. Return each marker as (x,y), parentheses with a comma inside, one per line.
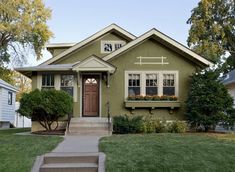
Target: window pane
(69,90)
(117,46)
(48,80)
(151,91)
(10,98)
(132,91)
(168,80)
(67,80)
(108,47)
(43,80)
(169,91)
(52,80)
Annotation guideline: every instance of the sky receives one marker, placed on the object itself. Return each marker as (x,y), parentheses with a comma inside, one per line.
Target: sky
(75,20)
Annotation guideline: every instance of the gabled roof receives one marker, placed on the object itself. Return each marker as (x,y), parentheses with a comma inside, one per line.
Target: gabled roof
(112,27)
(4,84)
(165,40)
(229,78)
(94,63)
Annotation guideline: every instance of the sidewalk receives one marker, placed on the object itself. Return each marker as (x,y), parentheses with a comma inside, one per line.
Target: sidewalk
(79,143)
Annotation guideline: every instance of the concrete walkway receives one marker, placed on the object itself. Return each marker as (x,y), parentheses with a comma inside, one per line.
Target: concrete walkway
(79,143)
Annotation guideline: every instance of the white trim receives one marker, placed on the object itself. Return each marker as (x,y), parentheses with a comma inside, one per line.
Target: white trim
(143,80)
(88,40)
(59,45)
(81,93)
(93,63)
(39,81)
(113,42)
(154,32)
(57,81)
(75,89)
(161,62)
(4,84)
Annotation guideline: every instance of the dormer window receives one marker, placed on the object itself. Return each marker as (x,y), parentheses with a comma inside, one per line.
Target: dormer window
(110,46)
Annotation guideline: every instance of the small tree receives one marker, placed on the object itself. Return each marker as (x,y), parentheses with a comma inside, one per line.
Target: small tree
(45,106)
(209,101)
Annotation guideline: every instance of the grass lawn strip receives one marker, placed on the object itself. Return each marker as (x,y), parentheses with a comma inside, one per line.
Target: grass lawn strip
(169,152)
(18,152)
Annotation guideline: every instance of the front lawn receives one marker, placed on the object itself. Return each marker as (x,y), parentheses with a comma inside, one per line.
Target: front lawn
(18,153)
(169,152)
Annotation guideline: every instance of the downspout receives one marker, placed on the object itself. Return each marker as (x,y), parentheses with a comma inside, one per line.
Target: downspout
(108,103)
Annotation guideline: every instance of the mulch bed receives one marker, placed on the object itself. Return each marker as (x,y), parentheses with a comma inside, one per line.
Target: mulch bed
(53,132)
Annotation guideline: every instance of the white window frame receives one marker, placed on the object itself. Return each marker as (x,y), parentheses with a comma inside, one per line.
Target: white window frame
(61,87)
(159,77)
(112,43)
(48,86)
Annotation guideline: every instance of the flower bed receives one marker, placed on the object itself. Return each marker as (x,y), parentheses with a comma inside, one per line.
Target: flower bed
(152,98)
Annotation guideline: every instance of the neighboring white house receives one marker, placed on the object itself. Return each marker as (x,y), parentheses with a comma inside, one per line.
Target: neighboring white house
(7,104)
(229,82)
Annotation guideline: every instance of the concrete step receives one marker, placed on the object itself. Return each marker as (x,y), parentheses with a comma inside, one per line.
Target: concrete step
(69,167)
(71,158)
(87,128)
(89,119)
(88,124)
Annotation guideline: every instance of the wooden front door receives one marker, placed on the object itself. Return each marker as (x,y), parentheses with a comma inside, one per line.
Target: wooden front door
(90,95)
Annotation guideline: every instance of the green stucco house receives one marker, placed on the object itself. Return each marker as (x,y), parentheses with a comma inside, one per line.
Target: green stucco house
(113,72)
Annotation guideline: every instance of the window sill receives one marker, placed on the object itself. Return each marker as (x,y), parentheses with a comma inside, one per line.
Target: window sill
(152,105)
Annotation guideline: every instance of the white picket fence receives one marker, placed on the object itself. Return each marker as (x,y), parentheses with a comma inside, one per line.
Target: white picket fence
(20,121)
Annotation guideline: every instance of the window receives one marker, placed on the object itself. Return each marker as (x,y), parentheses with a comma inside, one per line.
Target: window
(151,84)
(133,84)
(169,84)
(47,81)
(67,82)
(110,46)
(10,98)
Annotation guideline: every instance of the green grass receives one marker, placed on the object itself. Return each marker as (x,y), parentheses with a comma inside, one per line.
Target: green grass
(169,153)
(18,153)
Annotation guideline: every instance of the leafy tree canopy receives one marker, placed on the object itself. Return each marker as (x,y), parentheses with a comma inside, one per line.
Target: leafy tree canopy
(22,25)
(6,75)
(212,32)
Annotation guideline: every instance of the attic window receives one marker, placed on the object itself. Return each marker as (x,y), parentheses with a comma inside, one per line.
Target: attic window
(110,46)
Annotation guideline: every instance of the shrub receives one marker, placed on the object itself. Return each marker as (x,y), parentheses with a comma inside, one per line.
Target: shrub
(160,126)
(209,101)
(149,125)
(45,106)
(177,127)
(152,125)
(124,124)
(136,124)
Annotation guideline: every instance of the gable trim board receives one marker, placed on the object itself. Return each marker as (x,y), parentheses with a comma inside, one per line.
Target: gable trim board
(94,63)
(89,39)
(165,38)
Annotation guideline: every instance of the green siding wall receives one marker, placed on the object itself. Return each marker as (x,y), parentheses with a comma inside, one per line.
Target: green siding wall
(126,62)
(93,48)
